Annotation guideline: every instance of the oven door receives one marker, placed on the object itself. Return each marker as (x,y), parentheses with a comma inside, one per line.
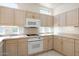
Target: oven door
(35,46)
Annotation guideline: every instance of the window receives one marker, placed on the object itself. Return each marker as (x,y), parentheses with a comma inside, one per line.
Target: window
(11,5)
(45,10)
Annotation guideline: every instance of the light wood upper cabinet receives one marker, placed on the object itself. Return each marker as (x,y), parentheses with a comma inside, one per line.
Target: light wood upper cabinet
(58,44)
(35,16)
(50,21)
(76,47)
(72,18)
(69,18)
(20,17)
(43,19)
(10,48)
(46,20)
(6,16)
(22,47)
(62,19)
(56,20)
(32,15)
(68,46)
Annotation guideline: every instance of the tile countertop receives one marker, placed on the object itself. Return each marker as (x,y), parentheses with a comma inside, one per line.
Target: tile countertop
(12,37)
(19,36)
(72,36)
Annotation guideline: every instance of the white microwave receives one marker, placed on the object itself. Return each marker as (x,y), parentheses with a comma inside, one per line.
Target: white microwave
(32,23)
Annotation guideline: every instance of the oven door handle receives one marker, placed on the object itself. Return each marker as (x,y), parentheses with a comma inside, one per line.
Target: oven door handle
(34,40)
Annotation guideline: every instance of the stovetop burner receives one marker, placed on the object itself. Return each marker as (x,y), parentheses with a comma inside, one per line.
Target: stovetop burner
(32,34)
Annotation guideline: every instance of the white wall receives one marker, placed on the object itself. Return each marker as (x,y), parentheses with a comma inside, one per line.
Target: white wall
(65,7)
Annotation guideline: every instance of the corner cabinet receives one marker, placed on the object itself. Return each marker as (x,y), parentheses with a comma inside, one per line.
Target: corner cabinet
(51,42)
(56,20)
(58,44)
(20,17)
(62,19)
(47,43)
(46,20)
(6,16)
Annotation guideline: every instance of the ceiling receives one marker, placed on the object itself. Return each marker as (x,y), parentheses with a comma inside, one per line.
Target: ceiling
(51,5)
(48,5)
(57,5)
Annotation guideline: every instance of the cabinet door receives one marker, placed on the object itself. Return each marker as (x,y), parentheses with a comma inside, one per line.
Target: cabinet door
(62,20)
(45,44)
(20,18)
(68,46)
(50,43)
(22,47)
(72,17)
(29,14)
(76,47)
(56,20)
(6,16)
(11,47)
(43,19)
(35,16)
(32,15)
(58,44)
(46,20)
(50,21)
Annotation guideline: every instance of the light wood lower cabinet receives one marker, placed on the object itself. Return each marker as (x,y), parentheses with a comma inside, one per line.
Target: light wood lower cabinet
(15,47)
(64,45)
(58,44)
(68,46)
(47,43)
(50,43)
(76,47)
(10,48)
(22,47)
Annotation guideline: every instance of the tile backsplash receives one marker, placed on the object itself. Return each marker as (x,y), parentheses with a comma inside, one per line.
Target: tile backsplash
(11,30)
(67,30)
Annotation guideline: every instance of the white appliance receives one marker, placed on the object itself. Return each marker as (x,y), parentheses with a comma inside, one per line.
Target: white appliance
(35,44)
(32,22)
